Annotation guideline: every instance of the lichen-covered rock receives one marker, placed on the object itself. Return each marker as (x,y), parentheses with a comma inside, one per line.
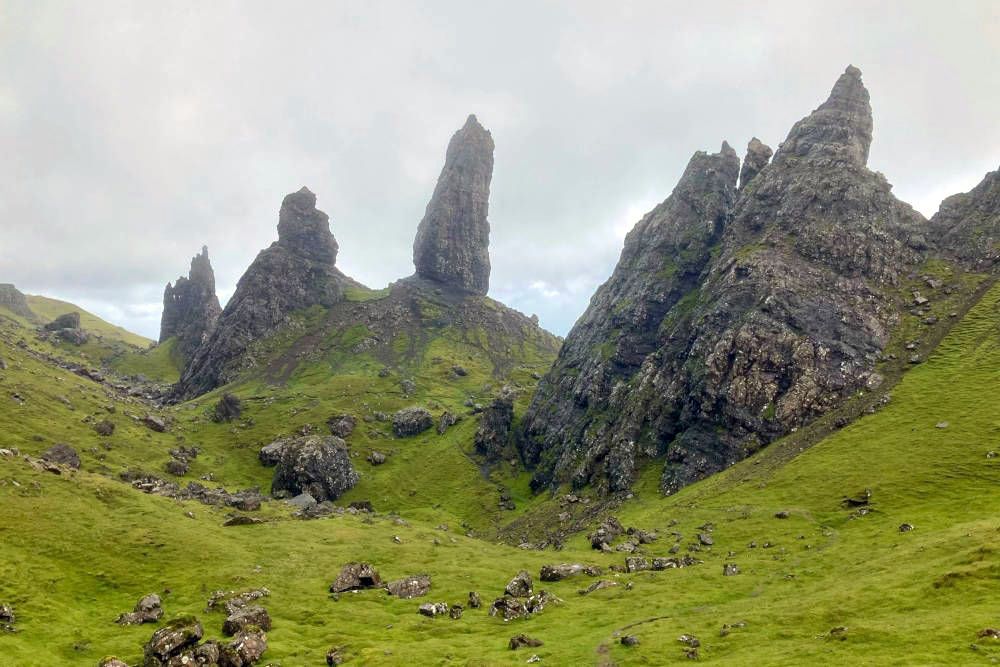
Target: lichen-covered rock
(246,649)
(356,576)
(245,618)
(758,155)
(172,639)
(495,423)
(732,318)
(411,421)
(967,225)
(342,425)
(561,571)
(270,454)
(228,408)
(190,306)
(295,272)
(410,587)
(520,585)
(147,610)
(64,321)
(62,454)
(452,243)
(319,466)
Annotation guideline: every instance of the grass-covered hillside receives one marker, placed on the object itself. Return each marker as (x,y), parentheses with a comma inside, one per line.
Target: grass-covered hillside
(827,583)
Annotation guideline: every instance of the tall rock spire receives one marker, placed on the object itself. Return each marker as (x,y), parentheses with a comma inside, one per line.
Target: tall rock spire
(452,243)
(190,306)
(295,272)
(758,155)
(839,129)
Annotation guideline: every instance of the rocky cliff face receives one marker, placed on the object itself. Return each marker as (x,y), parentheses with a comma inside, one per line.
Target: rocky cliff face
(967,225)
(295,272)
(13,300)
(452,243)
(732,319)
(190,306)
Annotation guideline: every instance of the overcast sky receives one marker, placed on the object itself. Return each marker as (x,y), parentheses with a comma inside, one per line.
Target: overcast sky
(132,133)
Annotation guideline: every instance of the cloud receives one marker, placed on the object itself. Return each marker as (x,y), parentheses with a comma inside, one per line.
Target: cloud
(133,133)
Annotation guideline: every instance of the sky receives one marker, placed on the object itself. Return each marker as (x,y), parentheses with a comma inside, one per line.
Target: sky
(133,133)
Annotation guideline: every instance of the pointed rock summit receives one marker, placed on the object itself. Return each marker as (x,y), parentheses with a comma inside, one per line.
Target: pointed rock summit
(732,319)
(452,243)
(295,272)
(758,155)
(190,306)
(840,129)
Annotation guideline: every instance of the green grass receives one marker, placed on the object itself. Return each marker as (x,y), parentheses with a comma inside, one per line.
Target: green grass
(162,363)
(49,309)
(77,550)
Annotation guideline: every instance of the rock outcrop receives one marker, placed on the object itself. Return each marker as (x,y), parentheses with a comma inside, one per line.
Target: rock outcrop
(758,155)
(295,272)
(13,300)
(732,318)
(319,466)
(452,243)
(967,225)
(190,306)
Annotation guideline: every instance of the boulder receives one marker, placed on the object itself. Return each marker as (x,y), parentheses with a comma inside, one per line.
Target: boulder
(560,572)
(495,423)
(524,641)
(65,321)
(104,427)
(455,611)
(246,649)
(171,639)
(269,455)
(62,454)
(146,610)
(410,587)
(154,423)
(519,586)
(111,661)
(630,640)
(433,609)
(475,602)
(446,421)
(319,466)
(376,458)
(341,425)
(7,618)
(411,421)
(246,618)
(356,576)
(508,608)
(228,408)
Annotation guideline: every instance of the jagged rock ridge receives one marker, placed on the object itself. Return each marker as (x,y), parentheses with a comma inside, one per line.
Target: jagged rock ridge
(967,225)
(452,242)
(297,271)
(190,306)
(731,320)
(13,300)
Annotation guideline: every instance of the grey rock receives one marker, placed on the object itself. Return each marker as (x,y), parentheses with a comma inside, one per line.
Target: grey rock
(508,608)
(246,649)
(410,587)
(104,428)
(475,602)
(228,408)
(176,467)
(154,423)
(295,272)
(731,318)
(13,300)
(319,466)
(64,321)
(171,639)
(246,618)
(356,576)
(452,242)
(730,570)
(302,501)
(520,585)
(967,225)
(758,155)
(495,423)
(7,618)
(630,640)
(446,421)
(270,454)
(342,425)
(524,641)
(62,454)
(190,306)
(561,571)
(376,458)
(433,609)
(411,421)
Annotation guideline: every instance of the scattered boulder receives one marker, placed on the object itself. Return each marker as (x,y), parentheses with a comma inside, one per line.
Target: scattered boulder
(376,458)
(411,421)
(730,570)
(905,527)
(475,602)
(62,454)
(104,427)
(242,520)
(561,571)
(509,608)
(636,564)
(335,656)
(246,649)
(146,610)
(605,534)
(524,641)
(319,466)
(495,424)
(65,321)
(519,586)
(630,640)
(177,467)
(596,586)
(341,425)
(245,618)
(783,514)
(705,539)
(302,501)
(356,576)
(235,600)
(112,661)
(228,408)
(7,618)
(410,587)
(154,423)
(446,421)
(433,609)
(456,611)
(861,500)
(989,633)
(172,639)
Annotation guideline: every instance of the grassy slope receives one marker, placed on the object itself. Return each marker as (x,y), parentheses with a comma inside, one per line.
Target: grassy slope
(162,363)
(77,551)
(49,309)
